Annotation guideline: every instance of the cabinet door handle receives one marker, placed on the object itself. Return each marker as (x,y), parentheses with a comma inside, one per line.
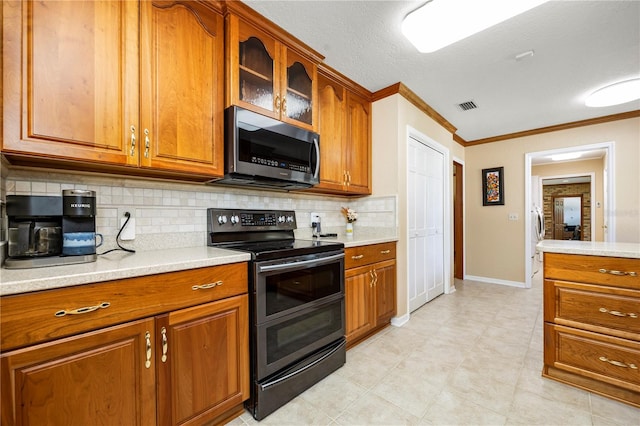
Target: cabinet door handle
(147,338)
(618,313)
(284,105)
(146,143)
(133,140)
(618,363)
(357,257)
(385,251)
(165,344)
(277,103)
(371,281)
(618,273)
(84,310)
(206,286)
(375,278)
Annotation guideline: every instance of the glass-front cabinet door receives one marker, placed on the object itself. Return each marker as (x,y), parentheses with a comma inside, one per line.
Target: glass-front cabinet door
(301,82)
(254,69)
(268,78)
(256,82)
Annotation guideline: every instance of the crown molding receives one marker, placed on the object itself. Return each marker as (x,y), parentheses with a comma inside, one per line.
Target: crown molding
(557,127)
(400,89)
(408,94)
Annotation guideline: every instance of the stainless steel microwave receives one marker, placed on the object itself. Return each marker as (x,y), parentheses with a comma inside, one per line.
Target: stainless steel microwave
(267,153)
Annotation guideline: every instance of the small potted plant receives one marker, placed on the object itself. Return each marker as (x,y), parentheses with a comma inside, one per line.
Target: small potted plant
(351,216)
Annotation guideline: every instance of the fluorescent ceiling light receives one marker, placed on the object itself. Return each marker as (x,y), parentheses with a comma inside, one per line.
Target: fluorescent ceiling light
(567,156)
(440,23)
(615,94)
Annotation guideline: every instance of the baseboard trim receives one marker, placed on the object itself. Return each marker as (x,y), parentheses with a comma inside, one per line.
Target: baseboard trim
(495,281)
(400,321)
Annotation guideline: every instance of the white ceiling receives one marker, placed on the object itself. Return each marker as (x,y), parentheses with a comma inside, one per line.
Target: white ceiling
(579,47)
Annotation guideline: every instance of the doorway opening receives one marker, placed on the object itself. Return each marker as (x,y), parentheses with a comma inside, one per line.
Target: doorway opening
(606,151)
(569,203)
(458,221)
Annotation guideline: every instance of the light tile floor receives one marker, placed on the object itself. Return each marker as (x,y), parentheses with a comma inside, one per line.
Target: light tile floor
(473,357)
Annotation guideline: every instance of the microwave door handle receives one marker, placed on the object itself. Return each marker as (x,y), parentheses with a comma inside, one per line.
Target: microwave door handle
(317,148)
(297,265)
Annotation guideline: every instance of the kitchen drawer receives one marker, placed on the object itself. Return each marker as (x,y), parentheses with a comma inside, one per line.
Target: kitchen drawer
(611,271)
(31,318)
(607,359)
(366,255)
(607,310)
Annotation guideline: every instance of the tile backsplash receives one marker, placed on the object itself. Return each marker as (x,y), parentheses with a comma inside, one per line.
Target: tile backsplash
(172,214)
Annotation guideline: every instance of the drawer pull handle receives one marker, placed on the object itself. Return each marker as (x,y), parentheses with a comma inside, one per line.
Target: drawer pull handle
(618,363)
(84,310)
(165,344)
(385,251)
(618,273)
(206,286)
(618,313)
(147,338)
(360,256)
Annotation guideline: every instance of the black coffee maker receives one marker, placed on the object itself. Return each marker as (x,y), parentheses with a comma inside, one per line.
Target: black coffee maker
(51,230)
(78,222)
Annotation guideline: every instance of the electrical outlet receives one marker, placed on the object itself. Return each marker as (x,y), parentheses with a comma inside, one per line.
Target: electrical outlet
(315,217)
(129,231)
(513,216)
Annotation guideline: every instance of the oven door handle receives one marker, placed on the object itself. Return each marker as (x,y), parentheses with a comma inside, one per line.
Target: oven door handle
(296,265)
(303,369)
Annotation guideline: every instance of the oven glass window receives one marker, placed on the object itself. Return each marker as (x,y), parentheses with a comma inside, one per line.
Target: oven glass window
(300,332)
(298,287)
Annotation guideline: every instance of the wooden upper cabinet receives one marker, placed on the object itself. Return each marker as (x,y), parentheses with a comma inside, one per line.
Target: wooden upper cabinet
(359,141)
(71,79)
(333,126)
(109,83)
(266,76)
(182,87)
(345,139)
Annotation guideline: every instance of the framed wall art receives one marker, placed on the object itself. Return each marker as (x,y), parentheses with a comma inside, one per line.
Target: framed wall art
(493,186)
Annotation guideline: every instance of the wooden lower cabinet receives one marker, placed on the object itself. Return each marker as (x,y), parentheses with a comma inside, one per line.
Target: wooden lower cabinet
(591,332)
(370,290)
(188,366)
(94,378)
(204,372)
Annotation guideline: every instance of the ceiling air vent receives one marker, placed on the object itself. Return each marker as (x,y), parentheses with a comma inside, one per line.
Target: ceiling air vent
(466,106)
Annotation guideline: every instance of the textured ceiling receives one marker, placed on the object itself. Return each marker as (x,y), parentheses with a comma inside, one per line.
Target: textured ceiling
(579,47)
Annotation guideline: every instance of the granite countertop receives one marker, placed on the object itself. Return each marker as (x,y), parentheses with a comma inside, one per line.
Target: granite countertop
(590,248)
(361,237)
(121,265)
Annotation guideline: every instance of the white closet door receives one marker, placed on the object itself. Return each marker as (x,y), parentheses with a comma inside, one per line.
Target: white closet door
(417,202)
(426,223)
(435,223)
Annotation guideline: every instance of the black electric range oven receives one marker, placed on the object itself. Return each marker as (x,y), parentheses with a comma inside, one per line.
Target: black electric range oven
(296,294)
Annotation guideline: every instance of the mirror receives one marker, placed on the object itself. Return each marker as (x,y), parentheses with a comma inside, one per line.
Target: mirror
(567,218)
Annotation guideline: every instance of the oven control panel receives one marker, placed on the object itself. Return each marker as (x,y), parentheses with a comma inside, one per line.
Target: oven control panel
(225,220)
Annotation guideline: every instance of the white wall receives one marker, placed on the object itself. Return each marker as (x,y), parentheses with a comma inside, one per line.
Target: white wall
(495,245)
(391,117)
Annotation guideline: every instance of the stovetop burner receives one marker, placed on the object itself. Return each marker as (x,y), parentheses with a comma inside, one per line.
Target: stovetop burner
(266,234)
